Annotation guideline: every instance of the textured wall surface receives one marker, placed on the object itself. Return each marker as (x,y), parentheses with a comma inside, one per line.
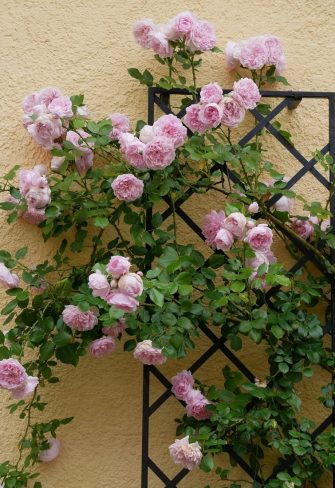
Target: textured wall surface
(83,46)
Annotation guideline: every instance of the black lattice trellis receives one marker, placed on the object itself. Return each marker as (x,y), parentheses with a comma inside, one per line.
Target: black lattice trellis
(160,97)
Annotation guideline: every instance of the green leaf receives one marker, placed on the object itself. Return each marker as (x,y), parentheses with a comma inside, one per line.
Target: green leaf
(129,345)
(156,297)
(46,351)
(101,222)
(207,463)
(62,338)
(135,73)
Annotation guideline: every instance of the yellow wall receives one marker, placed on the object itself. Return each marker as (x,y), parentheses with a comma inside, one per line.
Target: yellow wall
(85,47)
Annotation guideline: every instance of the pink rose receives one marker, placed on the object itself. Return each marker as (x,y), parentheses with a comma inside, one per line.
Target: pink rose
(253,53)
(30,178)
(224,239)
(147,354)
(133,149)
(38,197)
(188,455)
(232,56)
(82,111)
(45,130)
(325,224)
(142,30)
(211,93)
(192,120)
(85,161)
(171,127)
(127,187)
(118,266)
(116,330)
(61,106)
(131,283)
(25,390)
(120,124)
(246,93)
(233,113)
(146,134)
(202,37)
(213,222)
(159,153)
(78,320)
(48,455)
(210,114)
(196,405)
(8,279)
(253,208)
(30,102)
(250,224)
(122,301)
(56,163)
(303,228)
(99,284)
(284,204)
(182,384)
(235,223)
(47,95)
(160,44)
(33,216)
(274,49)
(102,347)
(182,24)
(258,260)
(281,65)
(12,374)
(259,238)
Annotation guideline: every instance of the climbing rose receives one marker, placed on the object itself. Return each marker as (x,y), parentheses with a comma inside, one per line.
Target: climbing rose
(253,207)
(182,384)
(274,49)
(12,374)
(256,261)
(45,130)
(147,354)
(259,238)
(159,153)
(127,187)
(231,51)
(284,204)
(146,134)
(102,347)
(133,149)
(253,53)
(211,93)
(181,25)
(304,228)
(25,390)
(233,113)
(192,119)
(210,114)
(224,239)
(196,405)
(246,93)
(118,266)
(61,106)
(202,37)
(48,455)
(115,330)
(78,320)
(235,223)
(99,284)
(213,222)
(8,279)
(48,94)
(325,224)
(84,161)
(159,43)
(120,124)
(122,301)
(171,127)
(131,283)
(142,30)
(187,454)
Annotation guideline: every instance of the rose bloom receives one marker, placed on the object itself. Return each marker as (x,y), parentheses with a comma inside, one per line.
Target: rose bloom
(147,354)
(12,374)
(325,224)
(259,238)
(48,455)
(141,30)
(196,405)
(171,127)
(118,266)
(235,223)
(45,130)
(257,261)
(159,153)
(160,44)
(102,347)
(192,120)
(146,134)
(210,114)
(120,124)
(31,178)
(233,113)
(253,53)
(78,320)
(281,65)
(232,58)
(127,187)
(131,283)
(253,208)
(223,240)
(211,93)
(85,161)
(61,106)
(56,163)
(182,384)
(99,284)
(303,228)
(202,37)
(133,149)
(246,93)
(8,279)
(122,301)
(187,454)
(182,25)
(213,222)
(116,330)
(251,223)
(33,216)
(47,95)
(38,197)
(25,390)
(274,49)
(29,103)
(284,204)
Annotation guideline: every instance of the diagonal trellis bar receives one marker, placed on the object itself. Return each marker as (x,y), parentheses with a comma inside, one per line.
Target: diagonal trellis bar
(290,100)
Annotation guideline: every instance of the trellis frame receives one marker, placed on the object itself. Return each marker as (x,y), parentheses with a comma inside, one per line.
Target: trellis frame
(290,99)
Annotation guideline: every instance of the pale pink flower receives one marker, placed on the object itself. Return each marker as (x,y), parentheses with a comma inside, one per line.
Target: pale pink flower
(202,37)
(25,390)
(30,102)
(8,279)
(45,130)
(118,266)
(232,56)
(259,238)
(142,30)
(224,240)
(160,44)
(47,95)
(253,208)
(127,187)
(251,223)
(61,106)
(115,330)
(235,223)
(274,49)
(284,204)
(147,354)
(99,284)
(303,228)
(48,455)
(187,454)
(133,149)
(281,65)
(56,163)
(196,405)
(246,93)
(211,93)
(38,197)
(253,53)
(85,161)
(40,169)
(325,224)
(258,260)
(82,111)
(182,25)
(233,113)
(78,320)
(213,222)
(210,114)
(102,347)
(30,178)
(146,134)
(12,374)
(33,216)
(159,153)
(131,283)
(122,301)
(171,127)
(182,384)
(120,124)
(192,120)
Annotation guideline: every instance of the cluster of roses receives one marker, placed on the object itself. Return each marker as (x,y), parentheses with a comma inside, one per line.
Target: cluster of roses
(34,188)
(215,109)
(186,28)
(255,53)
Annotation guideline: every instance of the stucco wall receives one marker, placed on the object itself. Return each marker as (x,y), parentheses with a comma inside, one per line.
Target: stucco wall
(85,47)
